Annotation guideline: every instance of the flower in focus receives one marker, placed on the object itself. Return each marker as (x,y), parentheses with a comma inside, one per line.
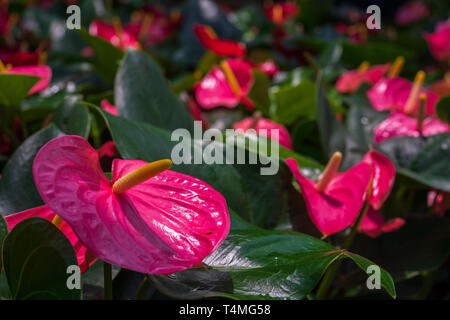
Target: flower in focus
(114,33)
(147,219)
(439,41)
(373,223)
(222,47)
(264,127)
(350,81)
(84,257)
(334,202)
(281,12)
(411,12)
(226,85)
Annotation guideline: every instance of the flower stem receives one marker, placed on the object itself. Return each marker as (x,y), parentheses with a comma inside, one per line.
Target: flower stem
(143,288)
(107,276)
(330,274)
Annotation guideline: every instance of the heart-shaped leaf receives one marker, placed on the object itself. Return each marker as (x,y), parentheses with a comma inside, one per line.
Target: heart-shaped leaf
(14,88)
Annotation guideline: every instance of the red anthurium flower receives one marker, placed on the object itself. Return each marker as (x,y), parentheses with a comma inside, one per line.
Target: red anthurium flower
(226,85)
(398,124)
(350,81)
(43,72)
(440,201)
(411,12)
(209,39)
(257,123)
(383,176)
(84,257)
(281,12)
(148,219)
(373,224)
(114,33)
(18,58)
(439,41)
(400,94)
(108,107)
(334,202)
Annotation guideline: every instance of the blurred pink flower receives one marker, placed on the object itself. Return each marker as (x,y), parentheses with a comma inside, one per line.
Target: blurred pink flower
(411,12)
(351,80)
(280,12)
(440,201)
(439,41)
(115,34)
(108,107)
(222,47)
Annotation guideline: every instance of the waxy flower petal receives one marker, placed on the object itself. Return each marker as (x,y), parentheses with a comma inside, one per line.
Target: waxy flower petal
(439,41)
(122,39)
(373,224)
(249,123)
(337,207)
(84,257)
(398,124)
(221,47)
(43,72)
(214,89)
(168,223)
(350,81)
(393,93)
(108,107)
(383,177)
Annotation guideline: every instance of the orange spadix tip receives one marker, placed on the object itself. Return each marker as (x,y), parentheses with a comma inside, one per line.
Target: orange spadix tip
(140,175)
(211,33)
(364,66)
(396,67)
(415,91)
(57,221)
(234,84)
(331,168)
(277,13)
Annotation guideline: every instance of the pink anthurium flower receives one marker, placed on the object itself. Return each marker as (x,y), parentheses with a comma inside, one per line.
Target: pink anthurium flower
(226,85)
(148,219)
(114,33)
(108,107)
(84,257)
(399,94)
(209,39)
(383,176)
(350,81)
(440,201)
(281,12)
(398,124)
(19,58)
(439,41)
(268,67)
(43,72)
(334,202)
(257,123)
(411,12)
(373,224)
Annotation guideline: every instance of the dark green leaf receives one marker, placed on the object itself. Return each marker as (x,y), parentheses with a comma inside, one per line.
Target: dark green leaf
(443,109)
(14,88)
(259,91)
(73,118)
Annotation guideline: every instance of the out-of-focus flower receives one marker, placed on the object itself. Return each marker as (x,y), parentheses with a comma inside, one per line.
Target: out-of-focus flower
(441,88)
(84,257)
(397,124)
(269,67)
(222,47)
(373,224)
(280,12)
(439,41)
(196,113)
(334,202)
(147,219)
(351,80)
(114,33)
(411,12)
(108,107)
(357,33)
(265,126)
(19,59)
(106,154)
(43,72)
(226,85)
(440,201)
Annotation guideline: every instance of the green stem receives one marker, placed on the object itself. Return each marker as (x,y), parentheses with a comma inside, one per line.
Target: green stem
(143,288)
(330,274)
(107,276)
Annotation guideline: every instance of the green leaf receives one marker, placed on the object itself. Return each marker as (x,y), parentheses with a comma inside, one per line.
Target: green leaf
(17,189)
(73,118)
(106,56)
(143,94)
(294,101)
(36,256)
(259,91)
(443,109)
(14,88)
(422,159)
(3,233)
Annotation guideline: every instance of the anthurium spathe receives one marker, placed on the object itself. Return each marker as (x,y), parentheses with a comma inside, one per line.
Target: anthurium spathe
(226,85)
(351,80)
(43,72)
(148,219)
(411,12)
(257,122)
(439,41)
(84,257)
(397,124)
(334,202)
(114,33)
(108,107)
(373,223)
(280,12)
(222,47)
